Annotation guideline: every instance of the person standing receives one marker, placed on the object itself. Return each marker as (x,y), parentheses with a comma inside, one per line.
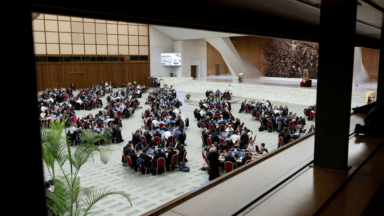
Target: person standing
(161,83)
(213,159)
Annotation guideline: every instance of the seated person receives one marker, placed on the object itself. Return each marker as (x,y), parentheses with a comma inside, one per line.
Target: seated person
(181,153)
(245,158)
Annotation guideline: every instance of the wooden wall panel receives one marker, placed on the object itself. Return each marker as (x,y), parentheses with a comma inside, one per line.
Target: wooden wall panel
(250,48)
(371,61)
(214,57)
(51,75)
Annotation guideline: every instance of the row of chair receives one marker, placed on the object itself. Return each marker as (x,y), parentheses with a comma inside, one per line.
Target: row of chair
(160,163)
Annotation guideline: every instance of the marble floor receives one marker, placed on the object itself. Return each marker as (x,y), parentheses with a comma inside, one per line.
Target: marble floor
(148,192)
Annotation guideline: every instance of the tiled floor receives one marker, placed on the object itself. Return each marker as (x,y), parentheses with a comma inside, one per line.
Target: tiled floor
(149,192)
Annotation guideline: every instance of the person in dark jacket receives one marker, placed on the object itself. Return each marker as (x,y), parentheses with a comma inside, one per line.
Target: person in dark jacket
(136,138)
(213,159)
(181,152)
(133,157)
(159,154)
(147,160)
(171,152)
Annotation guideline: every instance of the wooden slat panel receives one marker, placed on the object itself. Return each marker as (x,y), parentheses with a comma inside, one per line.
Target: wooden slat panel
(371,61)
(250,48)
(214,57)
(51,75)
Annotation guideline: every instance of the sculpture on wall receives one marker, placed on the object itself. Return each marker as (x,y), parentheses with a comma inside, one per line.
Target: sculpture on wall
(290,59)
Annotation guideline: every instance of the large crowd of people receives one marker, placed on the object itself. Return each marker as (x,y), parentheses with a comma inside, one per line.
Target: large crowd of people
(162,134)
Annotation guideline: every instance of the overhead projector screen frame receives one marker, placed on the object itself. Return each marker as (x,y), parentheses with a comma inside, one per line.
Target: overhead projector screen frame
(170,59)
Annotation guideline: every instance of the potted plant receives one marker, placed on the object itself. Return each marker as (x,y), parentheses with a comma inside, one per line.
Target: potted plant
(188,96)
(69,198)
(240,79)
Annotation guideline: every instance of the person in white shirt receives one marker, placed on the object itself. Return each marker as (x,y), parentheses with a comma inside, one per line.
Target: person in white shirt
(202,112)
(230,89)
(166,134)
(106,83)
(251,146)
(42,115)
(155,123)
(79,101)
(235,137)
(73,129)
(43,108)
(176,111)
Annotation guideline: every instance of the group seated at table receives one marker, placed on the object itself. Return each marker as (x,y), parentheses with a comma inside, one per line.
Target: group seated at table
(223,95)
(288,135)
(279,116)
(310,112)
(54,95)
(53,111)
(105,121)
(169,137)
(88,98)
(163,97)
(238,156)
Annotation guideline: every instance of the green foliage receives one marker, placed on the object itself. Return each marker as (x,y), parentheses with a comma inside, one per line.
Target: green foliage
(240,79)
(69,198)
(188,96)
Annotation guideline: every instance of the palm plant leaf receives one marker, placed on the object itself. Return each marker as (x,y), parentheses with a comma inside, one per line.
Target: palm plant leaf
(96,194)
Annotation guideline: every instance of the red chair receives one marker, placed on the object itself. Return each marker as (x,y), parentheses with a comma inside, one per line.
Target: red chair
(161,165)
(210,107)
(88,125)
(161,125)
(41,123)
(245,108)
(99,124)
(221,141)
(216,95)
(261,122)
(242,125)
(281,140)
(209,141)
(202,140)
(203,126)
(129,161)
(145,115)
(217,115)
(228,166)
(305,111)
(222,127)
(145,123)
(69,109)
(174,161)
(248,161)
(109,113)
(210,126)
(291,124)
(85,105)
(184,157)
(270,126)
(134,95)
(119,113)
(219,107)
(164,115)
(170,139)
(254,139)
(252,115)
(225,106)
(157,140)
(120,123)
(220,146)
(291,140)
(143,139)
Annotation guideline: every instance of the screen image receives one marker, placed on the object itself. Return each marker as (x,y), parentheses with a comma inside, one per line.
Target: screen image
(171,59)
